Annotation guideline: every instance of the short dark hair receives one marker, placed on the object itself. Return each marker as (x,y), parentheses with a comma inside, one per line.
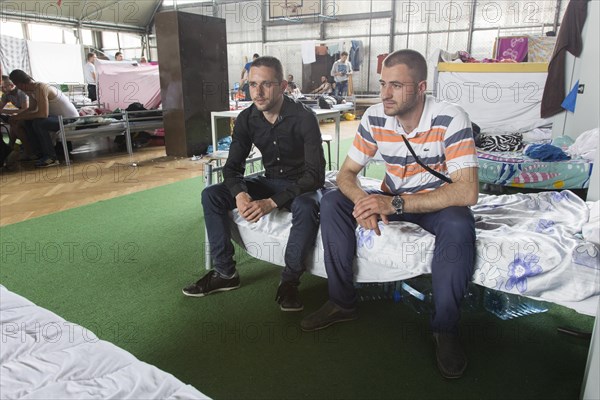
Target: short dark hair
(271,62)
(118,53)
(344,53)
(255,55)
(90,55)
(18,76)
(412,59)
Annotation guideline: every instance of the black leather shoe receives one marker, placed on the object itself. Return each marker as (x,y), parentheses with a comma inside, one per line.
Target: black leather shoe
(287,297)
(451,358)
(329,314)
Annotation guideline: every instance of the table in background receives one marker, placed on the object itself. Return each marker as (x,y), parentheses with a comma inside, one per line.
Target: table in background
(321,115)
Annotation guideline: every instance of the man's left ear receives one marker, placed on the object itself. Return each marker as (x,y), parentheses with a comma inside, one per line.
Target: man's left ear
(422,86)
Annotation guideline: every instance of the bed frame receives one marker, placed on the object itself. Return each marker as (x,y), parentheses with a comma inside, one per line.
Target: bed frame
(412,259)
(129,122)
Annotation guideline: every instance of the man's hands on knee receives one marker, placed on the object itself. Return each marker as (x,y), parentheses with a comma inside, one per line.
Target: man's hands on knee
(369,209)
(253,210)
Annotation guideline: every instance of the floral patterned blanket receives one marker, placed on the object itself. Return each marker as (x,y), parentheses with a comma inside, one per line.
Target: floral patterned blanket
(529,244)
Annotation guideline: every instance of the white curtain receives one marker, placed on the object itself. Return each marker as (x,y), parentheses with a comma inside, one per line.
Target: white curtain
(56,63)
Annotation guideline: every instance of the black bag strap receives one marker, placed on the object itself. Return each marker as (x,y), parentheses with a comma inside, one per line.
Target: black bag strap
(422,164)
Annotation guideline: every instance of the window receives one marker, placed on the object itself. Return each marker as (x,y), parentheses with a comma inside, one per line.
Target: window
(87,38)
(45,33)
(10,28)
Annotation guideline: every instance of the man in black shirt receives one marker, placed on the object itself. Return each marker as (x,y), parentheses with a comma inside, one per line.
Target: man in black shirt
(287,134)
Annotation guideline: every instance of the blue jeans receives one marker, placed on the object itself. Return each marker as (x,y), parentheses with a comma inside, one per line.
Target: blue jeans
(451,268)
(217,201)
(341,88)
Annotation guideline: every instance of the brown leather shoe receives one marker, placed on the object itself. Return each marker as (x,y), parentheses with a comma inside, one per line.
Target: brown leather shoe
(329,314)
(451,358)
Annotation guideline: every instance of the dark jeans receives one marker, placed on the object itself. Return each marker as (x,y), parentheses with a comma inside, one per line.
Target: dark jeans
(451,268)
(217,201)
(38,132)
(92,92)
(246,90)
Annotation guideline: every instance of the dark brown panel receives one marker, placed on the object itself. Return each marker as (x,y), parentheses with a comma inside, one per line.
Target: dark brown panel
(192,54)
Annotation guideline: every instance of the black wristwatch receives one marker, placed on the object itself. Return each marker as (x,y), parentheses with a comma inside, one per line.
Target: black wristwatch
(398,204)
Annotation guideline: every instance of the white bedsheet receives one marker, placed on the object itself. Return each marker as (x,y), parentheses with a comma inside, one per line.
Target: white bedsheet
(497,102)
(45,357)
(528,244)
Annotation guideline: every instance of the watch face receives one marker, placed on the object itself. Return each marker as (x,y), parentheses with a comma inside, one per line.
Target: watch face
(397,203)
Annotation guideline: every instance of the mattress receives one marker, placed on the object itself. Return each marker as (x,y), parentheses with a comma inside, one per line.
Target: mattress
(517,170)
(528,244)
(43,356)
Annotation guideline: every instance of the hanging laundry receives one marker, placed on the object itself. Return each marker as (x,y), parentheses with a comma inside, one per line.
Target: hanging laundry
(569,101)
(356,54)
(308,52)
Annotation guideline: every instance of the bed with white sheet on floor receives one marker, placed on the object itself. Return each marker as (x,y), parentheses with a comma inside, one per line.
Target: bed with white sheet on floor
(44,356)
(541,245)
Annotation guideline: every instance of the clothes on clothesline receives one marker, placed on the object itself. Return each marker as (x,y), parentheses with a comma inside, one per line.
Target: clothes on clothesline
(569,39)
(355,55)
(308,52)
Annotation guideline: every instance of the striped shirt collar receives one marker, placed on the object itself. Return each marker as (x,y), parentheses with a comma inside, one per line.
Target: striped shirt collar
(424,122)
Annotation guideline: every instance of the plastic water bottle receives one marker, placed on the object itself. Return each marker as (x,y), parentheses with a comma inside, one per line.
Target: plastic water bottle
(472,299)
(508,306)
(378,291)
(417,293)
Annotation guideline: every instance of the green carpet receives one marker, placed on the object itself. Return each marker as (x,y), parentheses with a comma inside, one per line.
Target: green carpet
(117,267)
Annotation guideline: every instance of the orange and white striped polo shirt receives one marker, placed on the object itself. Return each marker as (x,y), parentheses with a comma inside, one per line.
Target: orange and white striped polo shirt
(443,140)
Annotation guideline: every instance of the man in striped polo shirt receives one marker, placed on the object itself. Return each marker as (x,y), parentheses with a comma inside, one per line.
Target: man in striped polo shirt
(438,200)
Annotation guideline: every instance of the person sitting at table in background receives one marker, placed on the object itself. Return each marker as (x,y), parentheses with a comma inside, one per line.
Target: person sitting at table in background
(118,56)
(18,98)
(41,119)
(325,87)
(290,79)
(287,135)
(295,92)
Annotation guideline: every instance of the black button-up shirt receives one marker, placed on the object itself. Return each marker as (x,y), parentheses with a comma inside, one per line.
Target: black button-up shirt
(291,149)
